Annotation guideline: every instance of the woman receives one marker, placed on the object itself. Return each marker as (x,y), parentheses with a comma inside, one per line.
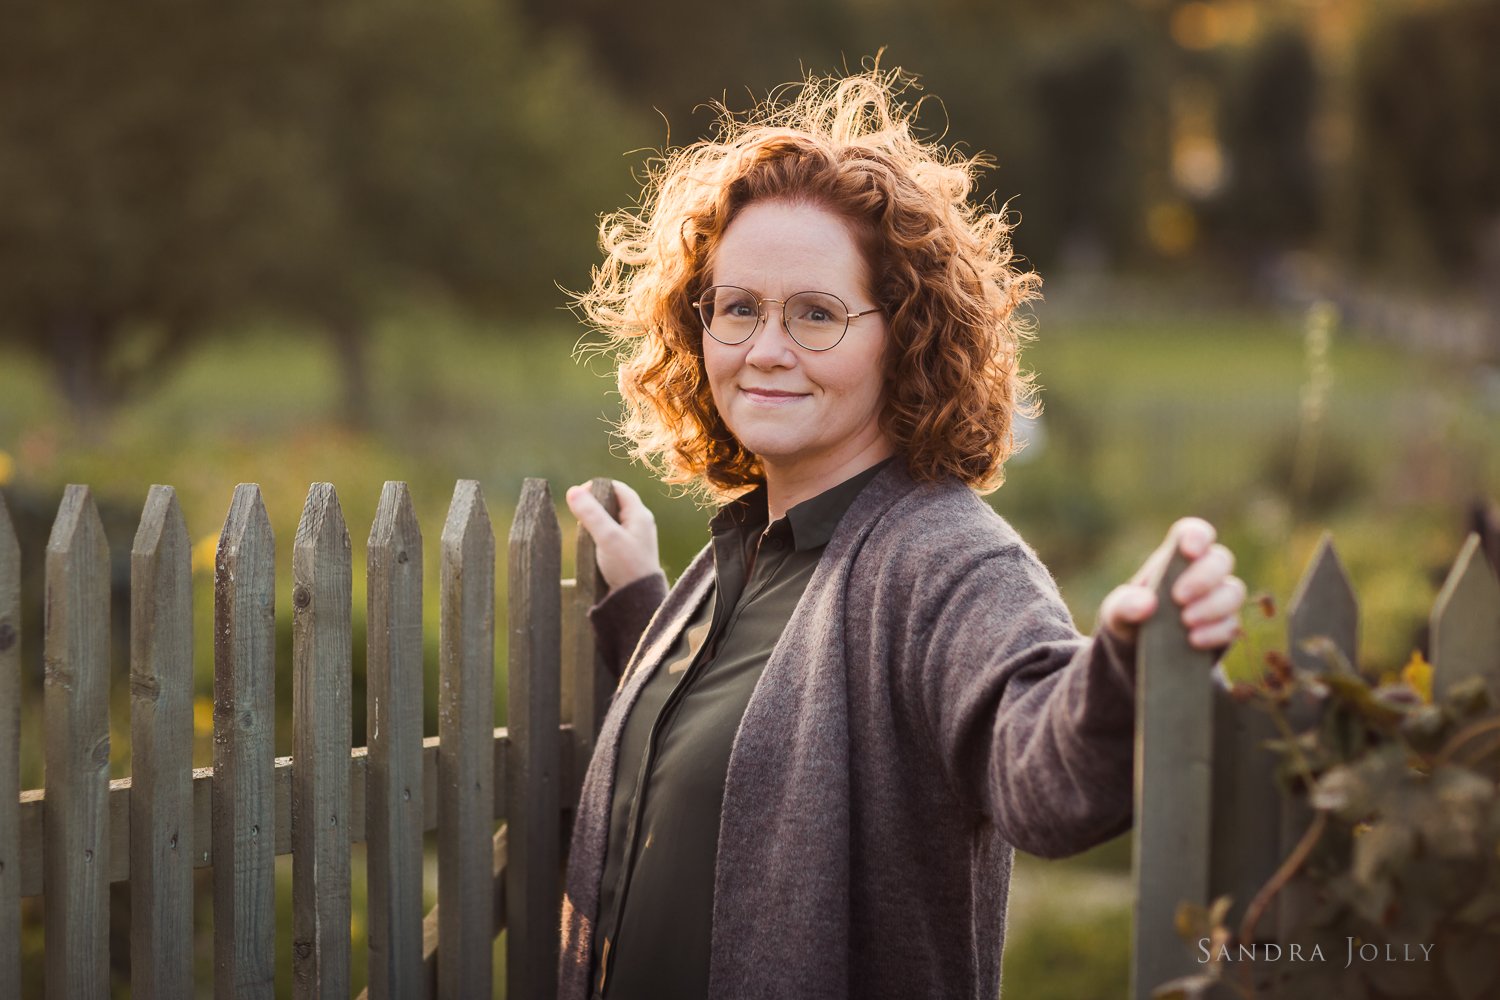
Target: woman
(865,692)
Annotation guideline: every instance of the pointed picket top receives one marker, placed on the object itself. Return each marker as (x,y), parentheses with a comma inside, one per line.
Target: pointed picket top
(162,526)
(1323,606)
(467,531)
(77,531)
(536,518)
(395,525)
(247,529)
(321,532)
(1466,623)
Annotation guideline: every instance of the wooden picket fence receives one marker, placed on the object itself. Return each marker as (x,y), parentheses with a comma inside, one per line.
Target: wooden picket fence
(84,831)
(1210,820)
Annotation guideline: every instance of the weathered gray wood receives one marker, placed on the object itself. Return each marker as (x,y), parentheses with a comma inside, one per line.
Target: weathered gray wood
(1323,606)
(244,821)
(10,757)
(430,923)
(1173,772)
(466,763)
(590,685)
(33,802)
(1246,807)
(161,748)
(1323,611)
(393,795)
(321,679)
(535,617)
(1466,623)
(77,751)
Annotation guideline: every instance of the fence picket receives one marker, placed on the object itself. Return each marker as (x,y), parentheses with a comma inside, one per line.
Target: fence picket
(243,810)
(1466,623)
(10,756)
(321,679)
(535,617)
(161,751)
(590,685)
(1323,607)
(393,793)
(75,814)
(466,762)
(1246,807)
(1173,761)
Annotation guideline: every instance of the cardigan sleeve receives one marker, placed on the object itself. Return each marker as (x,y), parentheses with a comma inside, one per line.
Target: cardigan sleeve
(620,618)
(1033,723)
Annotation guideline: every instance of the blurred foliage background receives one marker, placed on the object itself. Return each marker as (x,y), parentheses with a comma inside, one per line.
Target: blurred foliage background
(283,244)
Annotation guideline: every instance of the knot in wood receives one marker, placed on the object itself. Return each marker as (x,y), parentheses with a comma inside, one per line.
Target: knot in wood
(7,636)
(301,597)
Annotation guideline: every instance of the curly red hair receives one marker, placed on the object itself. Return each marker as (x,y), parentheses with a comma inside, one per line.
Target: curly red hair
(941,271)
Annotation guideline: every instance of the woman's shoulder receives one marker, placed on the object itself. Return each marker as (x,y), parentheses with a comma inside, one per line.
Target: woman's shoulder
(944,516)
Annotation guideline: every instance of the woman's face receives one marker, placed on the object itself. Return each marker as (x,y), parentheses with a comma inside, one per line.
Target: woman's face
(810,416)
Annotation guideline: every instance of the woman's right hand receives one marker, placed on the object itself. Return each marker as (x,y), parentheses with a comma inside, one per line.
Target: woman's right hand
(625,549)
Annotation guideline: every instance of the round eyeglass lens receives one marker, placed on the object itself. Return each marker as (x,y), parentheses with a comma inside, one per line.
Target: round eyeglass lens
(730,314)
(816,320)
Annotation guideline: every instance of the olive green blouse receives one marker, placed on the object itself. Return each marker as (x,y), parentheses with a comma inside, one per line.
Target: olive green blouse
(656,901)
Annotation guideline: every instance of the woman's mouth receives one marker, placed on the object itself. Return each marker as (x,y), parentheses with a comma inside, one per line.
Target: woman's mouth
(771,397)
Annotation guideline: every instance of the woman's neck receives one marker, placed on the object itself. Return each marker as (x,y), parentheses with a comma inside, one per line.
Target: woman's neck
(787,486)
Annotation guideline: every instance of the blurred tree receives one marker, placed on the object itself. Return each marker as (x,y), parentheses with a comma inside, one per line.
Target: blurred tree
(171,173)
(1271,199)
(1049,91)
(1427,122)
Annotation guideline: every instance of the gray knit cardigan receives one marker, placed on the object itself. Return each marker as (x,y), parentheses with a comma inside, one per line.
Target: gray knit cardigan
(929,708)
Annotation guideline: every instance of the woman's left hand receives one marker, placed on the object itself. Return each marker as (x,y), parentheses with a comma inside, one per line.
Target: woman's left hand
(1208,593)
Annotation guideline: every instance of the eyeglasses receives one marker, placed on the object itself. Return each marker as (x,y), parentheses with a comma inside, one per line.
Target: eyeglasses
(817,321)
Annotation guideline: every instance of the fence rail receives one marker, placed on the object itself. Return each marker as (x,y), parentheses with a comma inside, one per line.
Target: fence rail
(69,841)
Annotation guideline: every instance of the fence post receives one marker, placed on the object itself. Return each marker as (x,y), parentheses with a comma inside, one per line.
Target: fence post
(321,678)
(1174,719)
(535,617)
(393,794)
(10,757)
(466,755)
(1466,623)
(244,830)
(161,751)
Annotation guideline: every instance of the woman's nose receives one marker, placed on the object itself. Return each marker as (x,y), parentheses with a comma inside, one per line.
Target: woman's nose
(771,344)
